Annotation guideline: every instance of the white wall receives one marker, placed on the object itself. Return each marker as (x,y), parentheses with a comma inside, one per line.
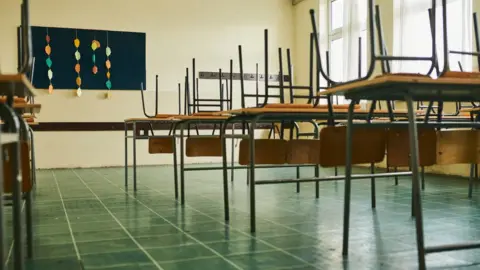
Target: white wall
(177,31)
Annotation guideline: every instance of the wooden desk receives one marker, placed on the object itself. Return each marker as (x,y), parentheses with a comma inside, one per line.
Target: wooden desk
(19,82)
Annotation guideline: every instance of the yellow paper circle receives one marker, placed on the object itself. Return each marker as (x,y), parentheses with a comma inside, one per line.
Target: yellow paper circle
(94,45)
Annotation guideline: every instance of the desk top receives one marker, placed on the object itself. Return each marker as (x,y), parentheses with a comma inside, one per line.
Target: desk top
(176,117)
(320,110)
(469,110)
(395,87)
(25,107)
(218,116)
(20,83)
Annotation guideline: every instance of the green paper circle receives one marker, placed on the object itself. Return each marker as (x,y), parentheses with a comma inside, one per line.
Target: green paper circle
(49,62)
(109,84)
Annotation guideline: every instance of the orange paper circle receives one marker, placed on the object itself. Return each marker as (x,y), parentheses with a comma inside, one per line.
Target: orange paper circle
(108,64)
(77,68)
(94,69)
(79,81)
(50,89)
(108,75)
(48,50)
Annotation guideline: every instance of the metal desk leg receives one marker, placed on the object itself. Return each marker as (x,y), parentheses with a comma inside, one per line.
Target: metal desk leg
(182,166)
(372,186)
(232,171)
(317,184)
(396,177)
(423,178)
(348,178)
(251,134)
(476,171)
(470,180)
(298,177)
(225,171)
(17,209)
(32,158)
(3,252)
(412,128)
(29,223)
(175,166)
(134,156)
(126,154)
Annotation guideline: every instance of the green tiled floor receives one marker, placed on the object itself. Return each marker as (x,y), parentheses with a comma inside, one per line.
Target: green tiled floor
(85,218)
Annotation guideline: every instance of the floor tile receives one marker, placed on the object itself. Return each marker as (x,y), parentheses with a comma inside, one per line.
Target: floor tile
(264,260)
(165,240)
(109,259)
(239,247)
(199,264)
(180,253)
(106,246)
(53,251)
(215,236)
(70,263)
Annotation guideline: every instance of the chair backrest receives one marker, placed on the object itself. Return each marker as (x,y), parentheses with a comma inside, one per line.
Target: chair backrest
(373,53)
(224,101)
(285,83)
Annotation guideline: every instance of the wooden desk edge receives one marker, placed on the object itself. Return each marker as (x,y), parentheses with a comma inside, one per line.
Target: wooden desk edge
(338,90)
(19,78)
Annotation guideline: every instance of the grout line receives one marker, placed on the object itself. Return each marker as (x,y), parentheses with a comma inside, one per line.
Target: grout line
(120,224)
(234,229)
(178,228)
(79,258)
(9,254)
(13,241)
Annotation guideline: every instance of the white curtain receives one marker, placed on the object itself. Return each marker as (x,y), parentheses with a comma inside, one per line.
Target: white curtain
(354,28)
(354,22)
(412,34)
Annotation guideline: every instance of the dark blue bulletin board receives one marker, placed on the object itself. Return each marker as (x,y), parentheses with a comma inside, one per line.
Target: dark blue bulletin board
(128,58)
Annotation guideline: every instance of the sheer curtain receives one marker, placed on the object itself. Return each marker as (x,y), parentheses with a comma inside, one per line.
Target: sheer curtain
(355,22)
(412,35)
(347,24)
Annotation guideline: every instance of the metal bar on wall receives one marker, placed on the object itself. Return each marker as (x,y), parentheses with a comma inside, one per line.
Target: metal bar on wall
(210,75)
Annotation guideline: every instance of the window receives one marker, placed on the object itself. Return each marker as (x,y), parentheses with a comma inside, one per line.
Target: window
(348,23)
(412,34)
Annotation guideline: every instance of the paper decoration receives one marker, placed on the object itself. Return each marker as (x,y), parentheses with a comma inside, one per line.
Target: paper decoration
(48,51)
(78,81)
(108,65)
(95,45)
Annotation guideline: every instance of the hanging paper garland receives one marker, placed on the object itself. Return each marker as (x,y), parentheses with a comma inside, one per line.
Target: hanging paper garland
(78,81)
(48,51)
(95,46)
(108,65)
